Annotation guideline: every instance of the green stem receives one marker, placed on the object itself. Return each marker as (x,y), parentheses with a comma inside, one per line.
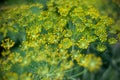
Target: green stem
(84,74)
(77,74)
(71,69)
(72,48)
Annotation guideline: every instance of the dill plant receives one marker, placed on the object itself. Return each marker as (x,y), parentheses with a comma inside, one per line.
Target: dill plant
(51,41)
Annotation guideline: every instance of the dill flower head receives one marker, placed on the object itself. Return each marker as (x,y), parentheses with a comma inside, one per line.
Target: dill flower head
(10,76)
(26,76)
(7,43)
(65,43)
(83,43)
(92,62)
(101,47)
(112,41)
(15,58)
(81,60)
(89,61)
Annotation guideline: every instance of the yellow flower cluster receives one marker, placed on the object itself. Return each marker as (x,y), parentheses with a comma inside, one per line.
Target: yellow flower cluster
(112,41)
(65,43)
(83,43)
(14,76)
(7,43)
(101,47)
(33,34)
(55,36)
(89,61)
